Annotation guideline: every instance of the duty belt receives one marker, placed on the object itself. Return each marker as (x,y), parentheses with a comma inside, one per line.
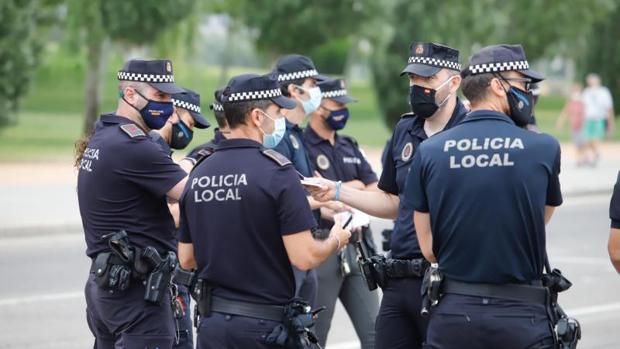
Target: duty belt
(533,293)
(253,310)
(403,268)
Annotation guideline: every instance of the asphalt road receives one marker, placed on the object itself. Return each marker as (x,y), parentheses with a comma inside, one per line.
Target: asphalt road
(42,305)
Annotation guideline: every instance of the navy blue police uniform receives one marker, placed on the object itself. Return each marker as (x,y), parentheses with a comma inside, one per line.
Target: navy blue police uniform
(244,261)
(190,101)
(485,184)
(614,206)
(208,148)
(294,68)
(399,323)
(122,185)
(340,277)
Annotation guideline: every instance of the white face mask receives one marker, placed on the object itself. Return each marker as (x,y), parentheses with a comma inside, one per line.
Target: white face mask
(312,104)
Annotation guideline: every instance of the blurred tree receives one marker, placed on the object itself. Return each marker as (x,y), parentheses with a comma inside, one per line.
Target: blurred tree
(603,52)
(128,22)
(298,26)
(542,27)
(22,23)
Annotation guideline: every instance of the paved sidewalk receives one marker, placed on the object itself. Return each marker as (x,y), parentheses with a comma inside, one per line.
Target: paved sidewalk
(34,196)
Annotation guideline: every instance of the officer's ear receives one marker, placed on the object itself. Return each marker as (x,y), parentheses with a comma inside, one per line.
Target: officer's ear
(256,117)
(496,88)
(455,83)
(294,91)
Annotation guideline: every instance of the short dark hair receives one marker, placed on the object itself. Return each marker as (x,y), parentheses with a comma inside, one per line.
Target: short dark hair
(220,118)
(284,85)
(475,87)
(237,112)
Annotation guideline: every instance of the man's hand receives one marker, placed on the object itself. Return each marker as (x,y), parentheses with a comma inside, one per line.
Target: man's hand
(324,191)
(341,235)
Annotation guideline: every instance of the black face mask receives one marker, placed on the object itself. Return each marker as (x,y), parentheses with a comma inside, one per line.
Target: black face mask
(422,100)
(521,104)
(181,135)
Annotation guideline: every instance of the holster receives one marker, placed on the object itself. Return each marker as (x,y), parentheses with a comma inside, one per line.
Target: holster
(202,293)
(567,330)
(295,332)
(431,289)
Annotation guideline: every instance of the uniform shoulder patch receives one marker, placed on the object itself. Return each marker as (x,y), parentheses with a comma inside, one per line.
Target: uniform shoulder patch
(132,130)
(277,157)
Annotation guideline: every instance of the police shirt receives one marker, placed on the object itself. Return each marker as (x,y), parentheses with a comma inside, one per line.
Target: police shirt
(407,136)
(293,148)
(122,184)
(614,206)
(486,183)
(342,161)
(236,207)
(205,149)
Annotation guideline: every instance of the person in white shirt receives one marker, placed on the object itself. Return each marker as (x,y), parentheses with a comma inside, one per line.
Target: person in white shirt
(598,106)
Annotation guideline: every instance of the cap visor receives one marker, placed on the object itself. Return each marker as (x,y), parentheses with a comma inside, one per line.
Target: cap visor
(167,87)
(320,78)
(535,76)
(200,120)
(284,102)
(344,99)
(420,69)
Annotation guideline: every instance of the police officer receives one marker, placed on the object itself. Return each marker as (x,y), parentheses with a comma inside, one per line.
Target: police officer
(124,182)
(337,157)
(177,134)
(244,265)
(482,193)
(297,77)
(614,232)
(434,79)
(219,134)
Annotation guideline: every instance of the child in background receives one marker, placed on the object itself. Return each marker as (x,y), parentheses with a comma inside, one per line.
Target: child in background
(574,111)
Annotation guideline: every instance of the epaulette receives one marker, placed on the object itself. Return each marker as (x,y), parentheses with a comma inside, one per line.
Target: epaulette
(132,130)
(351,140)
(203,155)
(277,157)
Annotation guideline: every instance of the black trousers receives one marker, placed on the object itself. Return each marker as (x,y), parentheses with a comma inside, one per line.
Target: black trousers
(399,323)
(487,323)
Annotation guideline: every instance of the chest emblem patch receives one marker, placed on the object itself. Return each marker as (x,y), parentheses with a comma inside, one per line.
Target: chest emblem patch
(322,162)
(294,141)
(407,152)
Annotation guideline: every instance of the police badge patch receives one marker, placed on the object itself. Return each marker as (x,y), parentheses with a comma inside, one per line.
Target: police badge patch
(322,162)
(407,152)
(294,141)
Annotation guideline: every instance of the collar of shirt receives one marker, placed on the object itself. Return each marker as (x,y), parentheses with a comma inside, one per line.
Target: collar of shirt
(417,126)
(116,119)
(487,115)
(218,136)
(313,138)
(238,143)
(291,126)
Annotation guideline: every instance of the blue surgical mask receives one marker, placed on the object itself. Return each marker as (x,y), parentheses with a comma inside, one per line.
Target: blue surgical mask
(271,140)
(312,104)
(155,114)
(337,119)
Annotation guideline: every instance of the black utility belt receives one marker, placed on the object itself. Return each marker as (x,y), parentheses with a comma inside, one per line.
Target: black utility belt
(253,310)
(534,293)
(406,268)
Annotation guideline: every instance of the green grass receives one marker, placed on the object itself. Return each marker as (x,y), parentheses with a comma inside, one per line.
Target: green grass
(50,118)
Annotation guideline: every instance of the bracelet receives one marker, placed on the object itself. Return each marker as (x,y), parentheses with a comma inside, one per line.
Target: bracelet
(337,196)
(337,241)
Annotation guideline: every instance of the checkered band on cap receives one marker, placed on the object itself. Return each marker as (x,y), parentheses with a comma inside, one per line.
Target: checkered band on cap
(186,105)
(435,62)
(123,75)
(500,66)
(334,93)
(254,95)
(217,106)
(298,75)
